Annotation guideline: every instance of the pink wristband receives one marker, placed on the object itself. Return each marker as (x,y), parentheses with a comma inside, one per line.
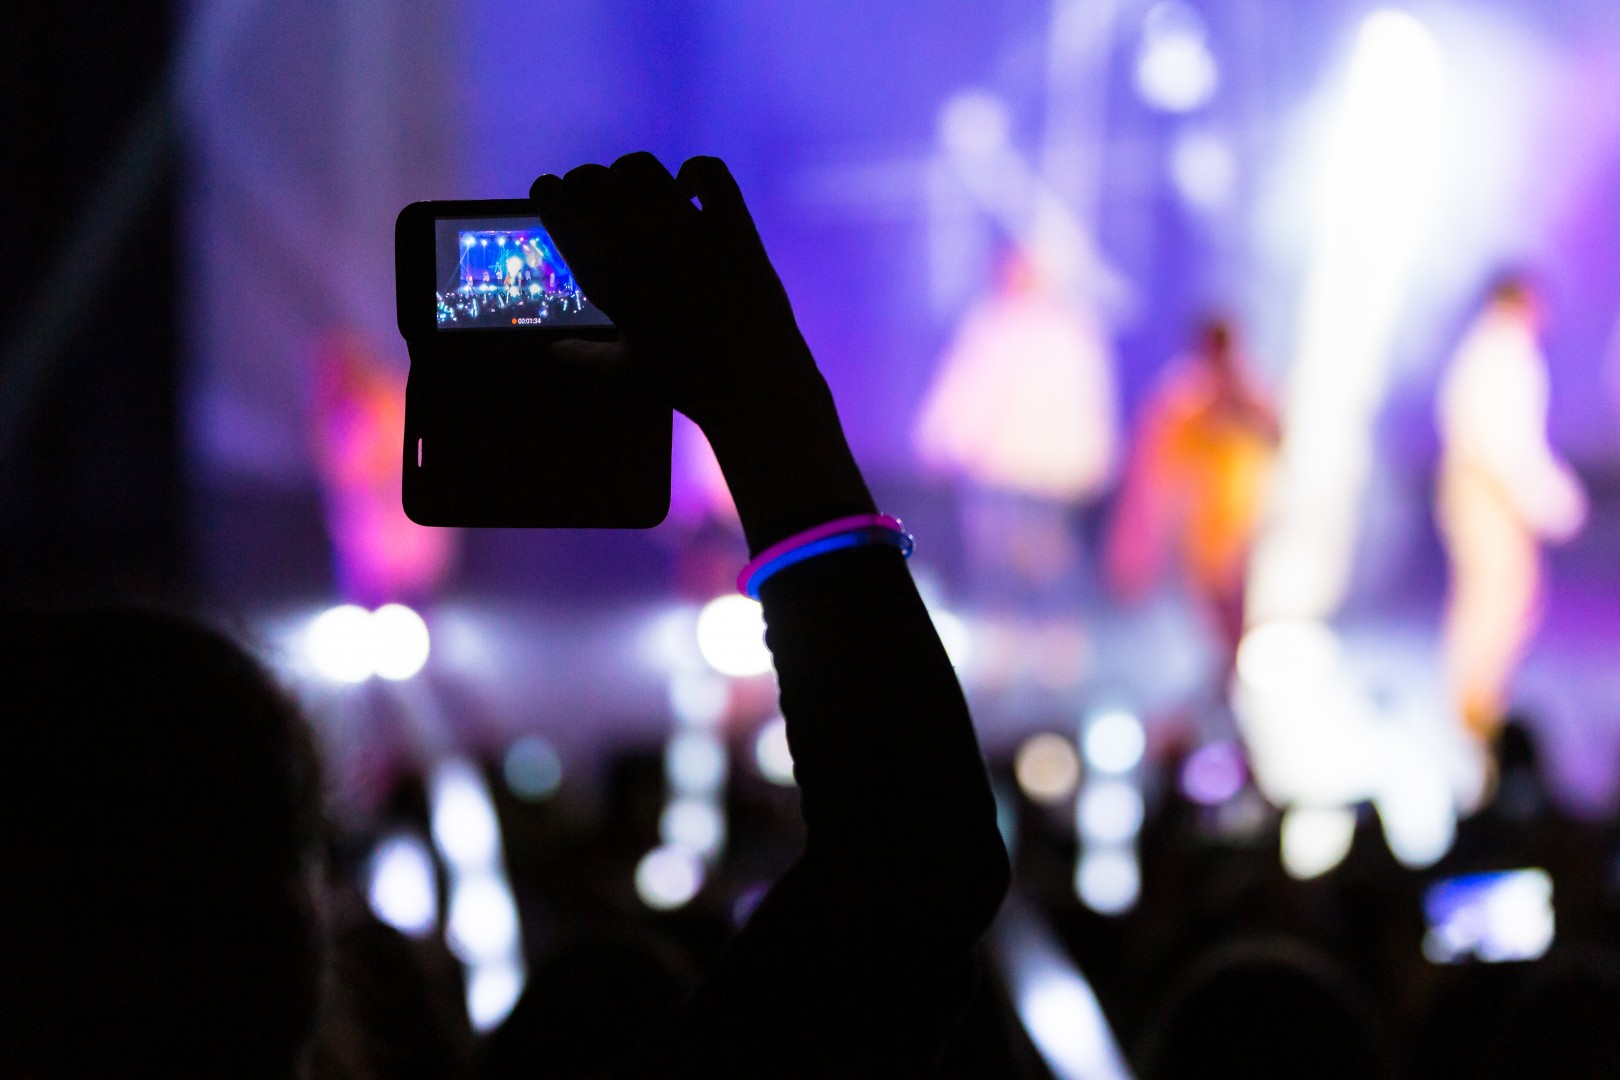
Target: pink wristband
(798,540)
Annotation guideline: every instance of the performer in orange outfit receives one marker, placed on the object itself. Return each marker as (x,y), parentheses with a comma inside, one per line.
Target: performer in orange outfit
(358,406)
(1501,492)
(1199,470)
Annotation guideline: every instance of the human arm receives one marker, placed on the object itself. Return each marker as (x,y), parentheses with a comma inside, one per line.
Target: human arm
(858,959)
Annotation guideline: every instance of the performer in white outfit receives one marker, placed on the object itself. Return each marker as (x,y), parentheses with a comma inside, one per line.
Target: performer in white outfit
(1502,491)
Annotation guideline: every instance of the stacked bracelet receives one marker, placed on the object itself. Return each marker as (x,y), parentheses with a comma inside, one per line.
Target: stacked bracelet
(857,531)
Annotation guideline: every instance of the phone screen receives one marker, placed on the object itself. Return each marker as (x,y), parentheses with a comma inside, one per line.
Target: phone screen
(1506,915)
(503,273)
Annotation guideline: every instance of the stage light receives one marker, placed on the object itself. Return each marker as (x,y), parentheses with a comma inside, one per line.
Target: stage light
(500,241)
(1108,881)
(1053,1000)
(400,886)
(463,819)
(1314,841)
(492,992)
(668,877)
(974,125)
(1114,742)
(1047,767)
(483,922)
(698,698)
(1203,169)
(1065,1022)
(953,635)
(1414,804)
(532,769)
(694,824)
(339,643)
(399,641)
(695,763)
(1213,773)
(731,636)
(1289,656)
(1110,812)
(468,240)
(1174,69)
(772,754)
(1377,188)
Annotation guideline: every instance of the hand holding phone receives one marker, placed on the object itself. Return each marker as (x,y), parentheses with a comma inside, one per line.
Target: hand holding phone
(502,428)
(691,290)
(704,318)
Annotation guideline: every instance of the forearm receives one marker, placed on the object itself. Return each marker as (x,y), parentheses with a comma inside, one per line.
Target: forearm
(787,463)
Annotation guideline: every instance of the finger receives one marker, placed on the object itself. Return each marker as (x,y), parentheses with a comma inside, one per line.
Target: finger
(647,174)
(708,180)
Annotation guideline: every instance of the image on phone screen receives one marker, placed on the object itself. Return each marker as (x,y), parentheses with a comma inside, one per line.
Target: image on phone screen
(1492,917)
(505,273)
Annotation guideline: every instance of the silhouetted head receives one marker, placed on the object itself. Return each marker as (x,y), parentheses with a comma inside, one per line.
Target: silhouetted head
(1514,293)
(1565,1024)
(587,1001)
(160,831)
(1262,1009)
(1217,344)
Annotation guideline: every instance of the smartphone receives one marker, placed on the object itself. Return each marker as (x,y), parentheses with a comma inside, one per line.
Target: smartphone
(1493,917)
(500,431)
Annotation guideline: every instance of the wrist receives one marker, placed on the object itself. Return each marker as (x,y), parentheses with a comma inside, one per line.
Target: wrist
(788,465)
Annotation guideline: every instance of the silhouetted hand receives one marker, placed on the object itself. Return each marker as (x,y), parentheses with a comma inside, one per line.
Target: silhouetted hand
(699,306)
(706,323)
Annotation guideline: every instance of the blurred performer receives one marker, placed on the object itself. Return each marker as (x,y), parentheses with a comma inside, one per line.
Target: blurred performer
(1199,470)
(380,555)
(1501,491)
(1022,410)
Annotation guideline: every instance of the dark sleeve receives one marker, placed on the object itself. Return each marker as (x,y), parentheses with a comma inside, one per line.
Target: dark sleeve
(859,960)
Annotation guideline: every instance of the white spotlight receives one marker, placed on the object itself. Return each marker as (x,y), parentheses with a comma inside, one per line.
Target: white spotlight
(667,877)
(1174,69)
(694,824)
(1047,767)
(1114,742)
(1110,812)
(1108,881)
(400,641)
(464,824)
(492,991)
(731,636)
(483,922)
(1314,841)
(698,698)
(339,643)
(695,763)
(400,886)
(771,753)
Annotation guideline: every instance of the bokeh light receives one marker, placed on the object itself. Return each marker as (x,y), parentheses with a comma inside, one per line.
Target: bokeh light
(1047,767)
(668,877)
(772,754)
(731,636)
(532,769)
(400,885)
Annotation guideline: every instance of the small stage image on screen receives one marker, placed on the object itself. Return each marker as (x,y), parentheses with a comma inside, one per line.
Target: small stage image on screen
(501,273)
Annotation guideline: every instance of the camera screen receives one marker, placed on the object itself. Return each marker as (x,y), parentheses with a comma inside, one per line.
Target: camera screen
(500,273)
(1507,915)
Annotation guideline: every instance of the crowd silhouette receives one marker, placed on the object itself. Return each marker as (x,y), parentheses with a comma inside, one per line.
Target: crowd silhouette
(181,905)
